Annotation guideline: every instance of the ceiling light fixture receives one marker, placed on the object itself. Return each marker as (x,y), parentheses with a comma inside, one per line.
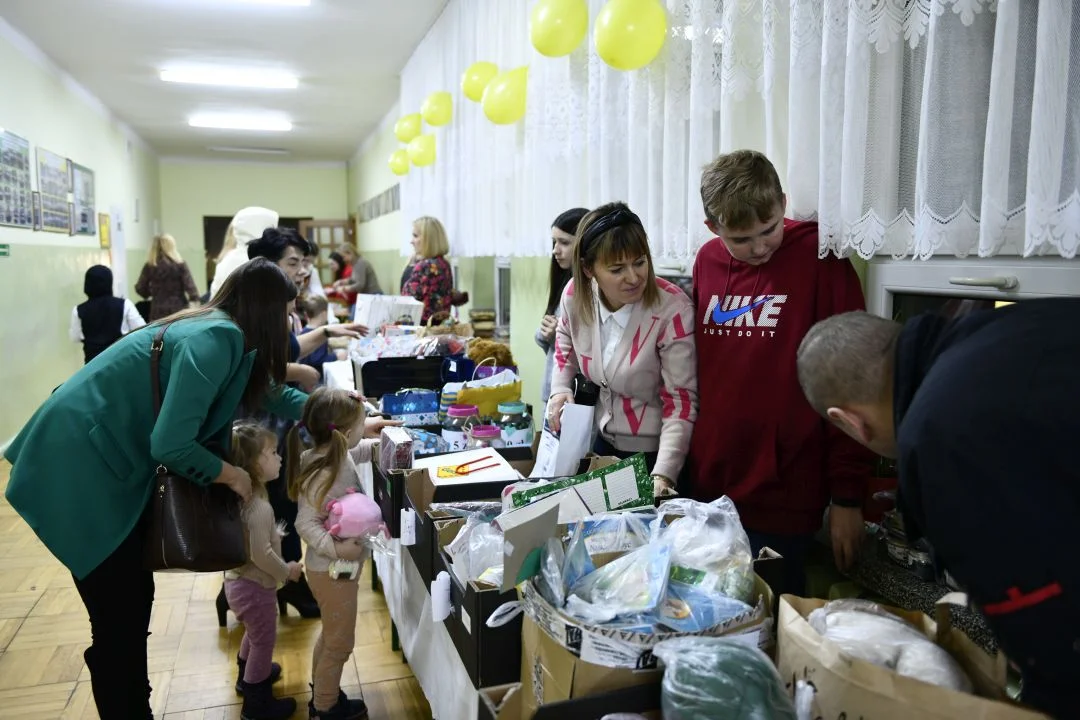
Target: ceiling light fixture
(226,77)
(288,3)
(218,121)
(248,150)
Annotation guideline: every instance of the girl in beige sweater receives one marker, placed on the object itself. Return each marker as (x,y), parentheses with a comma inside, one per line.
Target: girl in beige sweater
(334,421)
(252,588)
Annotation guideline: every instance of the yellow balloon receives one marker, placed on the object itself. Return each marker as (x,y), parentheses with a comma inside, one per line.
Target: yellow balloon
(557,27)
(476,79)
(438,108)
(407,127)
(422,150)
(504,97)
(629,34)
(399,162)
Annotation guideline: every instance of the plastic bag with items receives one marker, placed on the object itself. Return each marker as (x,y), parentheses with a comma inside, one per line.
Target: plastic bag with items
(477,552)
(709,537)
(716,677)
(867,631)
(632,585)
(692,610)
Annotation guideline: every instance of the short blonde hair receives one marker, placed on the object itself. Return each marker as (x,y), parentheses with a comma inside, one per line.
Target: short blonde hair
(433,242)
(740,188)
(163,245)
(611,233)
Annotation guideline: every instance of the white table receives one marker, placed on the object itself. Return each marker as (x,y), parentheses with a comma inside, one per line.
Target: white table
(426,644)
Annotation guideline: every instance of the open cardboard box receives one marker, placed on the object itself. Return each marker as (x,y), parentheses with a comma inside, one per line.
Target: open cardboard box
(849,687)
(504,703)
(564,658)
(490,655)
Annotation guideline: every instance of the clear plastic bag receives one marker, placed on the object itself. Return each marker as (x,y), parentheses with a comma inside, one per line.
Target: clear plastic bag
(578,564)
(550,581)
(692,610)
(716,677)
(487,511)
(710,538)
(631,585)
(868,632)
(616,532)
(477,551)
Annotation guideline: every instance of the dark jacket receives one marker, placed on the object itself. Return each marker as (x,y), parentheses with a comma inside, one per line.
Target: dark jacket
(102,315)
(986,414)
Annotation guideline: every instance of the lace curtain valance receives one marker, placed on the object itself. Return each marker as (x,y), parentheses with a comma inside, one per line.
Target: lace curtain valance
(915,127)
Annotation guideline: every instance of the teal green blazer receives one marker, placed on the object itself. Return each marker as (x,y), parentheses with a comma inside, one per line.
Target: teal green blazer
(83,466)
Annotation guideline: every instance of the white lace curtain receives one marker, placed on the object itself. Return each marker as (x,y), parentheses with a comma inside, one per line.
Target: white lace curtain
(907,127)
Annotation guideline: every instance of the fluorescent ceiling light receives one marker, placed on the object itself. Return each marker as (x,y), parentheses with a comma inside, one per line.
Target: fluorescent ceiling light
(292,3)
(231,77)
(219,121)
(252,151)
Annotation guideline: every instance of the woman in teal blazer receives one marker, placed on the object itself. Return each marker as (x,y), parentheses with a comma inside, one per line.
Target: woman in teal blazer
(83,465)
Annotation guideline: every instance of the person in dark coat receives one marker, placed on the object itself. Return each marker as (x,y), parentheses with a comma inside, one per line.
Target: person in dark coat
(980,412)
(102,319)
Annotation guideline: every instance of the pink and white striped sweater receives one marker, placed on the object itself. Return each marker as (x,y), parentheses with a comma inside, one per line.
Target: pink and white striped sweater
(648,391)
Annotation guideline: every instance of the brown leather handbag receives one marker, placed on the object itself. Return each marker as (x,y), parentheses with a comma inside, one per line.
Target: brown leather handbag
(189,526)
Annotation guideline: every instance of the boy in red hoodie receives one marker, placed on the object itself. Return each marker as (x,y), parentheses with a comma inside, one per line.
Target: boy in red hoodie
(758,288)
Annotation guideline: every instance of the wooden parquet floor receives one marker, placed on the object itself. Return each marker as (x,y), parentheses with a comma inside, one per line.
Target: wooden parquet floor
(44,630)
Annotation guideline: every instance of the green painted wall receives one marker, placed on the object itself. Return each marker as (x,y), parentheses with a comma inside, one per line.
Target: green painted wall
(42,278)
(529,283)
(191,190)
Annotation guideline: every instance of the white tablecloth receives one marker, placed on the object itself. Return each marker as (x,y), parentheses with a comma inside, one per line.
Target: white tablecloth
(427,646)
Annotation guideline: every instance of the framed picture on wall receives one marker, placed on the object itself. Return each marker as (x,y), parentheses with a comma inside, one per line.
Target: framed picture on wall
(54,181)
(103,231)
(15,201)
(82,179)
(37,210)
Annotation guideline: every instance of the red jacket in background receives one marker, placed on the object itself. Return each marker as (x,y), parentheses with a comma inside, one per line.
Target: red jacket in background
(757,440)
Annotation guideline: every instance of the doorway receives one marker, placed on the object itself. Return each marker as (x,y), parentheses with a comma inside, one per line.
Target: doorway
(214,229)
(328,236)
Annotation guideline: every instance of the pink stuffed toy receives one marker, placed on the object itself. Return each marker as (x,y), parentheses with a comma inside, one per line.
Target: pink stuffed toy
(354,515)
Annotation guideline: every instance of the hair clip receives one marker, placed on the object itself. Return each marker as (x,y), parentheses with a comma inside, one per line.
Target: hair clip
(332,427)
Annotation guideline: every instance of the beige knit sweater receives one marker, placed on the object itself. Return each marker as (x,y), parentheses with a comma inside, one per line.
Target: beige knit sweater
(311,517)
(264,564)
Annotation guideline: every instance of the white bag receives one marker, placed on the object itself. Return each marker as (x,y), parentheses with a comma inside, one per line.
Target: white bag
(374,311)
(559,454)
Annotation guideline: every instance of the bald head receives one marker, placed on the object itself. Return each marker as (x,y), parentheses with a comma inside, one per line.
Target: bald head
(847,360)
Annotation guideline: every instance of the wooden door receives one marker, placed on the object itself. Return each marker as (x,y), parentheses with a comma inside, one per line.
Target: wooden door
(329,236)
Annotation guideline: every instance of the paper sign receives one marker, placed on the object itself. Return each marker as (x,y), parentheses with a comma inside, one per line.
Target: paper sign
(408,526)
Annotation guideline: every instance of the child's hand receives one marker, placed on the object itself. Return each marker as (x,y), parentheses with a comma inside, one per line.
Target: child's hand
(350,549)
(295,571)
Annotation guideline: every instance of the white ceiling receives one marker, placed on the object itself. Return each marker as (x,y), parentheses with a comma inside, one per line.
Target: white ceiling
(347,53)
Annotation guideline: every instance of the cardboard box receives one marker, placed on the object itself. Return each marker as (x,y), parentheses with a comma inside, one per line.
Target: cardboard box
(564,658)
(849,687)
(504,703)
(490,655)
(425,549)
(399,489)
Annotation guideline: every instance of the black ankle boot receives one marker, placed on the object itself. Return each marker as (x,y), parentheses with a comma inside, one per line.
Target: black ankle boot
(241,665)
(260,703)
(298,594)
(345,709)
(222,603)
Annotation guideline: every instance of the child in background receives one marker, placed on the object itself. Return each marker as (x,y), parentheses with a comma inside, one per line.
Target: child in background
(314,311)
(334,420)
(102,319)
(252,588)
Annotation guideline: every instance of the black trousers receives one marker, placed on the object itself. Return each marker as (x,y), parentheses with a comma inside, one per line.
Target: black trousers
(278,490)
(119,595)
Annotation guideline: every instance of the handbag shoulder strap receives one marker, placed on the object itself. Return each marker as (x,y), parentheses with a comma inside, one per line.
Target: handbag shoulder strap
(157,346)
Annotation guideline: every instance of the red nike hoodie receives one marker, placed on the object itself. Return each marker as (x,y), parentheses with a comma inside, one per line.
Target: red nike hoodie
(757,440)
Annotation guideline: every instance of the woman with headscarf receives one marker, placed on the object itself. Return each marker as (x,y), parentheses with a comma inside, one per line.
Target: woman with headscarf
(246,225)
(102,319)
